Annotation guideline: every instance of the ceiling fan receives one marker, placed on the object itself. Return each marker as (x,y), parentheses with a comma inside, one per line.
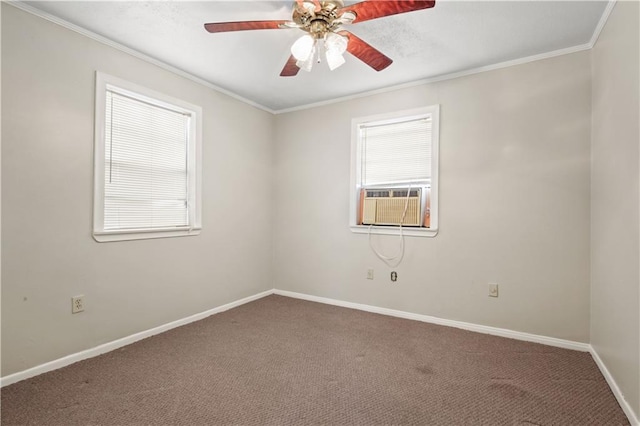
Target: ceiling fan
(322,21)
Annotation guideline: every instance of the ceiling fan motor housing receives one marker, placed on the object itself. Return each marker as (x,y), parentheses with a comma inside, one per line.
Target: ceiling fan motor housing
(318,22)
(322,21)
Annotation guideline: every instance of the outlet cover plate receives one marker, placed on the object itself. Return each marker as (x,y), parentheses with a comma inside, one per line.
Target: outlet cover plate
(77,304)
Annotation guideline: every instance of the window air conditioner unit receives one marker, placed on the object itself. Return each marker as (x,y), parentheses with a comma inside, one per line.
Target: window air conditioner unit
(384,206)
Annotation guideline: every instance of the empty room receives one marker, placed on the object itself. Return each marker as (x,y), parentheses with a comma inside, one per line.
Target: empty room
(329,212)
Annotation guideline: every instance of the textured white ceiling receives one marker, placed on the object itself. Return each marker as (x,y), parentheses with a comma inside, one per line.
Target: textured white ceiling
(454,36)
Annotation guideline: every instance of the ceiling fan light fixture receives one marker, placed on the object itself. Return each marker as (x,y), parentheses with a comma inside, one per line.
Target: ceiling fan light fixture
(321,20)
(334,59)
(335,43)
(303,48)
(307,64)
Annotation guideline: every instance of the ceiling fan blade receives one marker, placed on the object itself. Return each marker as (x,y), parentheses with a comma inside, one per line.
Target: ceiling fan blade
(290,68)
(373,9)
(221,27)
(365,52)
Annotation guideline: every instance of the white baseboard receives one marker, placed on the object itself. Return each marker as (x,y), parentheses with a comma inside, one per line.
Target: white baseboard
(107,347)
(551,341)
(633,419)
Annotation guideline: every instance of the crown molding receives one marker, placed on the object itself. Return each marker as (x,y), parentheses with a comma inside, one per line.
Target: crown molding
(601,23)
(449,76)
(566,51)
(443,77)
(19,4)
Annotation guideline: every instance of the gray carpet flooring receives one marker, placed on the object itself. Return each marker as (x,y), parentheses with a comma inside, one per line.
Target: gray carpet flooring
(281,361)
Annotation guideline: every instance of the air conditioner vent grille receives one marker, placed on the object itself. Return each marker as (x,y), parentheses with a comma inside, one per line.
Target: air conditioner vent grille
(377,193)
(403,193)
(387,207)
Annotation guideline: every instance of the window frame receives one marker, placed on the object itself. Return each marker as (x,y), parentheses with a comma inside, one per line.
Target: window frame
(106,82)
(356,164)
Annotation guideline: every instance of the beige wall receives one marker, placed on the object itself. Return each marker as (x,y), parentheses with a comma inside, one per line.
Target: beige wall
(615,243)
(48,254)
(514,202)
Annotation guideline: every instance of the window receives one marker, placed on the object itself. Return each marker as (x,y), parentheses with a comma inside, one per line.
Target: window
(147,163)
(394,173)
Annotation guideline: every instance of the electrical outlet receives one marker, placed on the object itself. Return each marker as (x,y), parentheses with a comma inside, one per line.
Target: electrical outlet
(77,304)
(369,274)
(493,290)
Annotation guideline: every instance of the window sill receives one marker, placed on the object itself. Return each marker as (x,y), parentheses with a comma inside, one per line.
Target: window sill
(394,230)
(142,234)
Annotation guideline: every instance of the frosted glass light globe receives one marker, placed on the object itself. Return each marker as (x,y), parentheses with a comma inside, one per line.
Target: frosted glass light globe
(336,43)
(302,48)
(334,59)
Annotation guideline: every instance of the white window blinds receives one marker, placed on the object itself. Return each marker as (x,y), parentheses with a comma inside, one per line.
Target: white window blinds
(397,152)
(146,176)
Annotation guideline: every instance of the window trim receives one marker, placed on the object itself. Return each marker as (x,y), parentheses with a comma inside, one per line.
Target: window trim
(434,111)
(105,82)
